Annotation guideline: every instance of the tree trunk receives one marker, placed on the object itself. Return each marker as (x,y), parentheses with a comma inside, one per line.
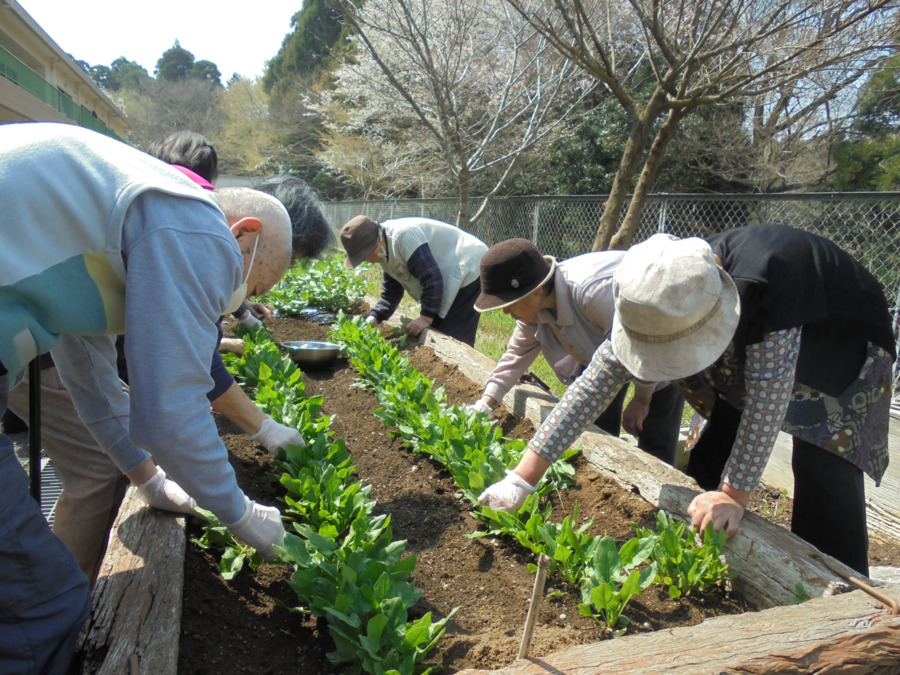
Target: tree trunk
(631,158)
(465,199)
(622,239)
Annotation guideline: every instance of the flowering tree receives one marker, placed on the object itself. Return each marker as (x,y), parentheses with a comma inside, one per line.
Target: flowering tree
(445,90)
(790,63)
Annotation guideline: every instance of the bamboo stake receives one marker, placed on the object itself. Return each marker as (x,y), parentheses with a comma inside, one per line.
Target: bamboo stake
(537,594)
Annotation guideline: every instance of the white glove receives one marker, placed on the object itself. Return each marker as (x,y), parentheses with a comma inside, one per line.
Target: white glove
(259,527)
(249,321)
(274,435)
(371,320)
(507,495)
(167,495)
(479,406)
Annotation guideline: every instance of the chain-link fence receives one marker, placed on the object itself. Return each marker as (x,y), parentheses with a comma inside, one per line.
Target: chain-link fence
(864,224)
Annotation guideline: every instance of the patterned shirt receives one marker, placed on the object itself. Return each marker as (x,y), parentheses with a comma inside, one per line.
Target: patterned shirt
(761,384)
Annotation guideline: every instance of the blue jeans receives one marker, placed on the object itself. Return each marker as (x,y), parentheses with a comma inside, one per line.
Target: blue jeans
(45,596)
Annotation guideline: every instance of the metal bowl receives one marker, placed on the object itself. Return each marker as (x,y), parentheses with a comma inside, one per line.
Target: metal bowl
(311,354)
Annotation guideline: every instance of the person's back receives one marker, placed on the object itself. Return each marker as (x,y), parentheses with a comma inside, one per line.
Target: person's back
(62,231)
(99,236)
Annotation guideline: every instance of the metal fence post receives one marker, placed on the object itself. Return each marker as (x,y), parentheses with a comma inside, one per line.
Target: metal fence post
(661,217)
(895,389)
(535,222)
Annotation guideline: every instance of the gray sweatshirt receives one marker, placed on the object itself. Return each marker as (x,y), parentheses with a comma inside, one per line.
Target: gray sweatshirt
(100,238)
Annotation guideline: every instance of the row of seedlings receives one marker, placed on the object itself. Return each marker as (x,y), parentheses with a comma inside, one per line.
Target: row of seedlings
(347,568)
(472,449)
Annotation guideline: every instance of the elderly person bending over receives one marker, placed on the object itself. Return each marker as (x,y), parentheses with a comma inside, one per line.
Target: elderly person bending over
(565,311)
(99,238)
(436,263)
(765,328)
(92,484)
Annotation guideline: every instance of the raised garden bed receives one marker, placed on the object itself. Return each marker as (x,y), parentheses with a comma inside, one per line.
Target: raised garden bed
(237,626)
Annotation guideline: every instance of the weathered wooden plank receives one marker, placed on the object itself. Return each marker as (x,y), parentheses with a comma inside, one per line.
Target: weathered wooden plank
(759,546)
(135,621)
(846,633)
(883,514)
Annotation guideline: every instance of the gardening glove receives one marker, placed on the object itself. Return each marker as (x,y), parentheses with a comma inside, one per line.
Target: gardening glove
(166,495)
(507,495)
(274,435)
(259,527)
(249,321)
(371,320)
(479,406)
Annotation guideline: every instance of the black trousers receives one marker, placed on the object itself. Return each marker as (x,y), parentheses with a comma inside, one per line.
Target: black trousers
(660,434)
(461,321)
(829,492)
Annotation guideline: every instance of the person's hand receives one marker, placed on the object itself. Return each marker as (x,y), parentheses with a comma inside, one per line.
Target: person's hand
(716,507)
(259,527)
(634,415)
(416,326)
(233,345)
(371,320)
(166,495)
(274,435)
(261,311)
(507,495)
(480,406)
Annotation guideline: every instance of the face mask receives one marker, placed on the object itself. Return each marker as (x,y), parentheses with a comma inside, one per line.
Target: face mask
(241,293)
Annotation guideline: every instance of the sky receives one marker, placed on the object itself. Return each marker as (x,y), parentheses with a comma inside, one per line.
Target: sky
(237,35)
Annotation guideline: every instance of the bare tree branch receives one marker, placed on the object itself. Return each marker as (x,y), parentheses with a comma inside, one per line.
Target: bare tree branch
(469,80)
(773,56)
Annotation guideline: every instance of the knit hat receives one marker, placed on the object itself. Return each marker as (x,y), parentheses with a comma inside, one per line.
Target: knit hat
(511,270)
(676,308)
(359,237)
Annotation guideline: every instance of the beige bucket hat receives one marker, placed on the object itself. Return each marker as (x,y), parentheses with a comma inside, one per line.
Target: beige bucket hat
(676,308)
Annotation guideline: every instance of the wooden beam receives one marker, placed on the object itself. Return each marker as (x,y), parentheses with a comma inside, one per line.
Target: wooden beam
(846,633)
(136,614)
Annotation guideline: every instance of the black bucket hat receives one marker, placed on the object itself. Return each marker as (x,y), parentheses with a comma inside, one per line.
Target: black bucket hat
(510,270)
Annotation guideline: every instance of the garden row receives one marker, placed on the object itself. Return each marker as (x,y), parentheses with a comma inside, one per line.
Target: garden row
(471,448)
(368,631)
(348,571)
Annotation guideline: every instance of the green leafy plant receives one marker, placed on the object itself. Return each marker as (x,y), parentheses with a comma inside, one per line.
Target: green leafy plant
(361,585)
(470,446)
(775,508)
(323,283)
(611,580)
(234,554)
(684,564)
(569,549)
(799,595)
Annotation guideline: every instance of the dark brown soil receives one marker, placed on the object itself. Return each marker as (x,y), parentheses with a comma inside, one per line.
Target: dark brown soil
(239,627)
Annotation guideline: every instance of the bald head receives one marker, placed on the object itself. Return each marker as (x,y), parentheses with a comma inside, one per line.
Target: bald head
(253,215)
